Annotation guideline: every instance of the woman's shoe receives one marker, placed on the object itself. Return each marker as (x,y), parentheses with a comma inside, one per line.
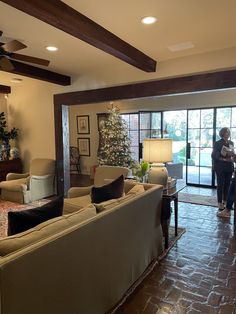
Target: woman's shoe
(224,213)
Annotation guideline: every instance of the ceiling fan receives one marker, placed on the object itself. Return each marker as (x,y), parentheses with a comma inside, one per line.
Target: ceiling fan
(7,52)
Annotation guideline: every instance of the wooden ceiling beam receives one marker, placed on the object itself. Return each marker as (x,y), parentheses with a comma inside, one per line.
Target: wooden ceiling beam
(171,86)
(67,19)
(39,74)
(5,89)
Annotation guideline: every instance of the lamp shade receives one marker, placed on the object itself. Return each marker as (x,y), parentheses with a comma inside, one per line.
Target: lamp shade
(157,150)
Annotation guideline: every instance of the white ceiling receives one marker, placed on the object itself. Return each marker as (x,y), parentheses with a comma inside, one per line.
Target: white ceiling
(209,24)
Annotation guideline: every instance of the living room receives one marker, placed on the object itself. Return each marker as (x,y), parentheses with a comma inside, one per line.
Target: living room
(30,105)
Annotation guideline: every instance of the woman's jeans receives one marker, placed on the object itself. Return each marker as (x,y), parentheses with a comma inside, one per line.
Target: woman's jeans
(223,183)
(230,198)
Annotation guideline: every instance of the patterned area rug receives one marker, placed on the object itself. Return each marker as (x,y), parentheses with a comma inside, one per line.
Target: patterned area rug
(6,206)
(198,199)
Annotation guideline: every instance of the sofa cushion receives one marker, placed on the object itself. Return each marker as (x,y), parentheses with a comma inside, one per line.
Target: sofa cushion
(74,204)
(26,219)
(46,229)
(137,189)
(113,202)
(106,192)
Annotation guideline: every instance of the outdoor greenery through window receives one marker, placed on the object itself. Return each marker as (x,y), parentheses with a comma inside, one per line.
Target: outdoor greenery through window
(193,132)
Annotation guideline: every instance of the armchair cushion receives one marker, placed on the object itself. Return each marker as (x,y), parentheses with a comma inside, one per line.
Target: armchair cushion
(106,192)
(26,219)
(15,185)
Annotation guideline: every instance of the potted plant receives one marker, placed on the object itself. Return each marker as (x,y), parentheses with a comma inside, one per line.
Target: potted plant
(140,170)
(6,136)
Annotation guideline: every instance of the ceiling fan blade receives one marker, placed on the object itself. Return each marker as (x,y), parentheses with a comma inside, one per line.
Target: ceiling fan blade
(13,45)
(6,64)
(29,59)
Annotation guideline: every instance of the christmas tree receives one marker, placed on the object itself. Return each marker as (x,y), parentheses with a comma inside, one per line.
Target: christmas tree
(114,147)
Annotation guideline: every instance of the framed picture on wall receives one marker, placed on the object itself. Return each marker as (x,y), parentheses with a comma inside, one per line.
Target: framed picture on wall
(84,146)
(83,124)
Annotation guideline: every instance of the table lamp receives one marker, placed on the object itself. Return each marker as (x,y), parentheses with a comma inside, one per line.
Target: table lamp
(157,151)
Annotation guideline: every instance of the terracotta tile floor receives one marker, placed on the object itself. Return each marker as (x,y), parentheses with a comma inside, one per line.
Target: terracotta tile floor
(199,273)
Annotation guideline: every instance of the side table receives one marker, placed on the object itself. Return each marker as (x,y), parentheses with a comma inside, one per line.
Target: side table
(168,196)
(6,166)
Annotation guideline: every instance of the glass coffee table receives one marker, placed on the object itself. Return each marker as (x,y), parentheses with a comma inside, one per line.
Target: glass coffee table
(168,196)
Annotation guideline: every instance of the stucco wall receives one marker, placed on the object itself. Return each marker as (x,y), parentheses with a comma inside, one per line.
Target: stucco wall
(30,109)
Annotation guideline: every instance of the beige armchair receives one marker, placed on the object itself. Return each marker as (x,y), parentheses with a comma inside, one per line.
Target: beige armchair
(38,183)
(79,197)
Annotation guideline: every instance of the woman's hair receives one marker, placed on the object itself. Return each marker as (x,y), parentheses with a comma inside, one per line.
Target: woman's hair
(223,131)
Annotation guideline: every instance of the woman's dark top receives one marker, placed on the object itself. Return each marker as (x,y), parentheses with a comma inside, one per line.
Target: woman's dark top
(222,163)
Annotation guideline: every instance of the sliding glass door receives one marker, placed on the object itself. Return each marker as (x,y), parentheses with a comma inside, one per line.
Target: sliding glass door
(200,132)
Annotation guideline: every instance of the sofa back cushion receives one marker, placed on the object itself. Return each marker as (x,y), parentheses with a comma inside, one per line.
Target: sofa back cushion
(44,230)
(109,191)
(23,220)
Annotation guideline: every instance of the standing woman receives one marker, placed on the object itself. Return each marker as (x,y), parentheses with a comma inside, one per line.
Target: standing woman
(223,164)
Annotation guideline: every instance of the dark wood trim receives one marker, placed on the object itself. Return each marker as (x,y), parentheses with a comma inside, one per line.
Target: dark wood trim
(4,89)
(39,74)
(171,86)
(61,118)
(64,17)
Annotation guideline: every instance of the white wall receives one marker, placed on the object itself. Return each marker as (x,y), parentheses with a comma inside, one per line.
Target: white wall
(198,100)
(31,110)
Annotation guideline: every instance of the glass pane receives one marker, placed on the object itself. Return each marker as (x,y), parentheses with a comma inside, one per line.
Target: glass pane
(205,157)
(194,118)
(233,135)
(156,120)
(233,122)
(193,174)
(134,138)
(156,133)
(174,124)
(144,134)
(205,175)
(223,117)
(134,152)
(126,118)
(194,137)
(194,157)
(206,118)
(206,138)
(134,121)
(179,152)
(145,120)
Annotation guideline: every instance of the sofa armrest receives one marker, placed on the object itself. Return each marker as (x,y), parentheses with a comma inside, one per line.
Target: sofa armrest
(79,191)
(14,176)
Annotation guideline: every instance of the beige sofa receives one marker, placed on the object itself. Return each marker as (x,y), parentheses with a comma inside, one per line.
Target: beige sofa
(79,197)
(83,262)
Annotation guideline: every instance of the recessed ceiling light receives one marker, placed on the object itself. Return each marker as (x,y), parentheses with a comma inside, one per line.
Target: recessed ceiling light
(51,48)
(181,46)
(148,20)
(16,80)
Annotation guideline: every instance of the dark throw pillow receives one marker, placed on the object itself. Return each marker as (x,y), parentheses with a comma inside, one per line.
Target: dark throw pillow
(106,192)
(29,218)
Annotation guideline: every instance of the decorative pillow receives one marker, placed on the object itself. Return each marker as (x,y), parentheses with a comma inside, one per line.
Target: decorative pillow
(106,192)
(26,219)
(137,189)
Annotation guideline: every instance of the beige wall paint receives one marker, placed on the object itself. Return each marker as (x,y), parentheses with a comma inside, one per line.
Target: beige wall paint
(3,103)
(198,100)
(30,108)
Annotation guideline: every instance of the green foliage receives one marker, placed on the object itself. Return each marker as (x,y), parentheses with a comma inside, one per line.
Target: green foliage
(114,147)
(141,169)
(6,135)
